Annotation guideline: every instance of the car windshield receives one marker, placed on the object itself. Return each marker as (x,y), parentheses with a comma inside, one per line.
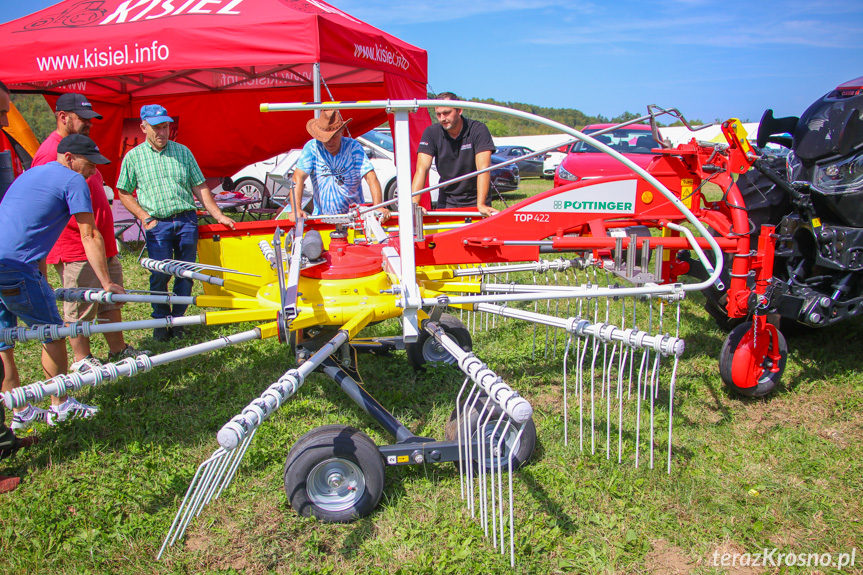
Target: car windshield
(380,138)
(622,140)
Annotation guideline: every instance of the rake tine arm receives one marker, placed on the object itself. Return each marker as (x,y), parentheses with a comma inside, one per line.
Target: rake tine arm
(260,408)
(62,384)
(178,270)
(87,329)
(631,337)
(515,406)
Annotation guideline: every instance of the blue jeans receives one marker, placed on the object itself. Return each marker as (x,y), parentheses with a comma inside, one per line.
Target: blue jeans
(26,295)
(176,238)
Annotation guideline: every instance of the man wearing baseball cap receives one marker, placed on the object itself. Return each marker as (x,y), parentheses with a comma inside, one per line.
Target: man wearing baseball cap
(33,214)
(337,166)
(74,114)
(167,179)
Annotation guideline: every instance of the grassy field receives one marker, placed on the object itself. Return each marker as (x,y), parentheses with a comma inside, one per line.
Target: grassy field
(780,472)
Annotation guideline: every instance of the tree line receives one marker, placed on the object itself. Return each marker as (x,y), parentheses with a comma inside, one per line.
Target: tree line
(502,126)
(41,119)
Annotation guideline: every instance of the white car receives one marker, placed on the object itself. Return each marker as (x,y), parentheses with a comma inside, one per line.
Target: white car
(551,162)
(274,174)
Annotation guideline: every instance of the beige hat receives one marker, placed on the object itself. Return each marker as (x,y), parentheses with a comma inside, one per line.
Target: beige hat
(326,126)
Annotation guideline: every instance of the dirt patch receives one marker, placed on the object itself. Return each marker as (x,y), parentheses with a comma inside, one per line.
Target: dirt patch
(666,559)
(819,414)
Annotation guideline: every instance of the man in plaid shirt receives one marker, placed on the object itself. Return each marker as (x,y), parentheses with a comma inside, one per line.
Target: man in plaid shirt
(168,180)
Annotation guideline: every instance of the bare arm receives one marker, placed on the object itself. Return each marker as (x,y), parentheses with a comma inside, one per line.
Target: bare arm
(295,210)
(205,196)
(131,204)
(423,166)
(483,160)
(94,247)
(377,196)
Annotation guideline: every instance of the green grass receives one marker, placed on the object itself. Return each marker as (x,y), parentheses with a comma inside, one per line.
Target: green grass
(785,471)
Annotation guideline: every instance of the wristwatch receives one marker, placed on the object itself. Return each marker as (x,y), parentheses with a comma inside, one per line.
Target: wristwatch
(150,219)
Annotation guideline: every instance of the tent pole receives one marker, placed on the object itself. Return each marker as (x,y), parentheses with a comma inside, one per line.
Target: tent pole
(316,84)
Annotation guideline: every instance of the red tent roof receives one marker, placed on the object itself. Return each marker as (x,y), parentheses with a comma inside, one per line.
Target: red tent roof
(210,63)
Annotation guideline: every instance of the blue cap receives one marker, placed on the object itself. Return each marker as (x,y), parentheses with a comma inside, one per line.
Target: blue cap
(155,114)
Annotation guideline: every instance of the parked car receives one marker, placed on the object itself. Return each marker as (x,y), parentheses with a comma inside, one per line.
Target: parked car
(552,161)
(505,178)
(529,168)
(584,162)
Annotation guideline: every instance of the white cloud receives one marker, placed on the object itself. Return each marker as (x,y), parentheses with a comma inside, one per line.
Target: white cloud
(387,12)
(733,28)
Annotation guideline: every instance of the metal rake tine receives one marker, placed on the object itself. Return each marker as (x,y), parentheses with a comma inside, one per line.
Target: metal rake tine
(620,371)
(468,429)
(482,487)
(203,488)
(661,318)
(565,402)
(638,407)
(458,433)
(607,385)
(496,457)
(203,468)
(216,480)
(500,518)
(671,409)
(557,313)
(583,345)
(511,504)
(535,309)
(593,396)
(241,450)
(653,383)
(649,329)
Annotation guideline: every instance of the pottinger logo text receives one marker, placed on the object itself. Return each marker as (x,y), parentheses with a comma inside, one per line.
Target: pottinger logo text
(606,197)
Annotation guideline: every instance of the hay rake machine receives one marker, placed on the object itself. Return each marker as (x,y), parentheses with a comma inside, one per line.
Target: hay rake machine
(318,283)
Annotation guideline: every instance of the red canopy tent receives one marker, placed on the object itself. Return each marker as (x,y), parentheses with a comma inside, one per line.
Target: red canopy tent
(211,63)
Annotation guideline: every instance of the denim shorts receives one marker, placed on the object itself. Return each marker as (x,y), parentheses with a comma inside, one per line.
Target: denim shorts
(26,296)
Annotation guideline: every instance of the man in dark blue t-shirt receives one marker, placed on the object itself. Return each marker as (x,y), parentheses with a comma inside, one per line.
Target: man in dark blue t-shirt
(33,213)
(459,146)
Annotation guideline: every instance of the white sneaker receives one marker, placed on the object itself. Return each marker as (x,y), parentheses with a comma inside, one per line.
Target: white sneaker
(23,420)
(73,408)
(87,364)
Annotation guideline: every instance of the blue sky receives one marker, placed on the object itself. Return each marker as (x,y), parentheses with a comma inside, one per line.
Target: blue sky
(710,59)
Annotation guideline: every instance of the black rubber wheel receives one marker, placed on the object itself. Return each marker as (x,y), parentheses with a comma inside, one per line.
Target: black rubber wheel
(254,190)
(523,449)
(427,350)
(768,380)
(391,191)
(334,473)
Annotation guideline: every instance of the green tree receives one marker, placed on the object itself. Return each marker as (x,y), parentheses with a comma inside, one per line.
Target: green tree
(37,112)
(497,128)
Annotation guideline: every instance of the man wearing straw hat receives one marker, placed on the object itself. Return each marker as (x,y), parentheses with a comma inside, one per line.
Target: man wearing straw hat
(337,164)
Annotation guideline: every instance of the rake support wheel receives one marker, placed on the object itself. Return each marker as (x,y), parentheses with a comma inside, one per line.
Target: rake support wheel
(523,449)
(427,350)
(752,365)
(334,473)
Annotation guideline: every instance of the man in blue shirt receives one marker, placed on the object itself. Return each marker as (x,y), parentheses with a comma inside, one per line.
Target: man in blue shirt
(337,165)
(33,214)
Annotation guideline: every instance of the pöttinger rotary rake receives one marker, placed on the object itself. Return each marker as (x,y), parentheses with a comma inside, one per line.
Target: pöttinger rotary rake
(611,311)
